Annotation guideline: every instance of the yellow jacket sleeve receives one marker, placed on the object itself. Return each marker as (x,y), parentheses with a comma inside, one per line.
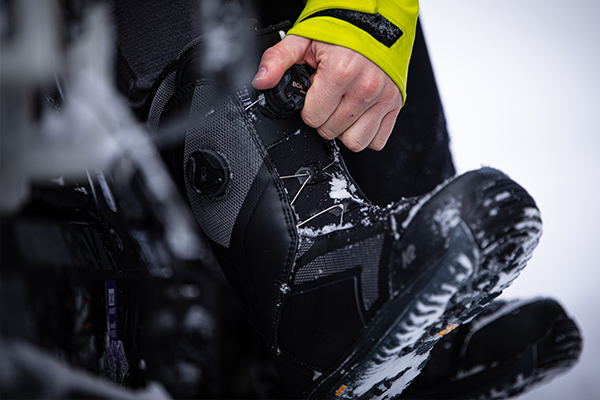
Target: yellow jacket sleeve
(381,30)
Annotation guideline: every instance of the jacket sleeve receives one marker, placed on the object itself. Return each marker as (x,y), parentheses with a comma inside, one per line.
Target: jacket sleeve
(381,30)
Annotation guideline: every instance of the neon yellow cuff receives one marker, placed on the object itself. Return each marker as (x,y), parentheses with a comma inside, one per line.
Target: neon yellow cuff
(393,60)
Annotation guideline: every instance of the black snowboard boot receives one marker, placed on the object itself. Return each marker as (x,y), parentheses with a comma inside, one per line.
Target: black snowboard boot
(349,297)
(510,348)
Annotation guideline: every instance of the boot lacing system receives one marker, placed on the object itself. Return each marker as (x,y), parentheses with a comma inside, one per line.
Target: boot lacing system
(309,174)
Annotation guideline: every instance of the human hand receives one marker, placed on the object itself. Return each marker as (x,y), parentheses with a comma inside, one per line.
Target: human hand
(350,97)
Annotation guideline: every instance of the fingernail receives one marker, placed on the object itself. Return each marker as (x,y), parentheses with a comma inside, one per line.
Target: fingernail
(260,74)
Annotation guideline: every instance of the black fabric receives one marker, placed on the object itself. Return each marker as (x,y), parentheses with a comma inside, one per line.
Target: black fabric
(417,156)
(271,12)
(375,25)
(268,242)
(306,335)
(150,34)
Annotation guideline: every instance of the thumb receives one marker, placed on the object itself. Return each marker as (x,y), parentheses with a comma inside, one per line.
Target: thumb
(278,59)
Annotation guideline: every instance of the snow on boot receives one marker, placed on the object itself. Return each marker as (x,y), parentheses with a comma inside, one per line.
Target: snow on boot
(349,297)
(508,349)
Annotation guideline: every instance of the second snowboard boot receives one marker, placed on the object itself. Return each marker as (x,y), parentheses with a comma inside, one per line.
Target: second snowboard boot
(508,349)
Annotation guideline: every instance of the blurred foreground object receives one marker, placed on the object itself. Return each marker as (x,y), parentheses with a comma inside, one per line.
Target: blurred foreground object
(107,288)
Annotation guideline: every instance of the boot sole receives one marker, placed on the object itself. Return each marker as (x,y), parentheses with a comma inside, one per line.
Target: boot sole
(487,226)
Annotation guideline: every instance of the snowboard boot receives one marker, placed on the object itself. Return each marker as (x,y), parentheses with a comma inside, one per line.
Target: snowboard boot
(508,349)
(349,297)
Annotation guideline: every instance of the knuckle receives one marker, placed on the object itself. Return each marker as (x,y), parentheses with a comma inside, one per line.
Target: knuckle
(309,118)
(276,53)
(327,133)
(392,94)
(342,73)
(371,84)
(377,144)
(391,99)
(271,53)
(353,143)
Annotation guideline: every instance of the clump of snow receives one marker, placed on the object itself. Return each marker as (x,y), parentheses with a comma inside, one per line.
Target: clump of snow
(502,196)
(339,188)
(314,232)
(81,189)
(352,188)
(394,226)
(446,218)
(284,288)
(531,212)
(415,209)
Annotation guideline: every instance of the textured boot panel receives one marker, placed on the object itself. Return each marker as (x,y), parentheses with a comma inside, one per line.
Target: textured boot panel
(221,127)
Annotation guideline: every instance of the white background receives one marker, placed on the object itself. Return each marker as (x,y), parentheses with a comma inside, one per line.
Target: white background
(520,84)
